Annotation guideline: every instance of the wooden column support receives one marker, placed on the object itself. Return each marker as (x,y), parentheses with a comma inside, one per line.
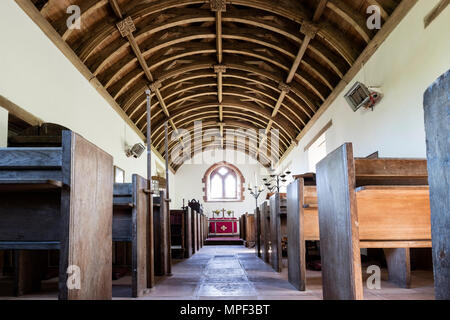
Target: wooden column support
(399,266)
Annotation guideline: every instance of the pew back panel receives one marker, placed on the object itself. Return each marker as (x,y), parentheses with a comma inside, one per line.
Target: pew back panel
(437,119)
(265,232)
(278,230)
(338,219)
(80,227)
(390,213)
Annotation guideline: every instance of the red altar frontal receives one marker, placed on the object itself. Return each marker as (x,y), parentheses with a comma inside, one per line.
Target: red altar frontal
(223,226)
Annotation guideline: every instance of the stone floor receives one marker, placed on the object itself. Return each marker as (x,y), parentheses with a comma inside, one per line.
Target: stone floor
(234,272)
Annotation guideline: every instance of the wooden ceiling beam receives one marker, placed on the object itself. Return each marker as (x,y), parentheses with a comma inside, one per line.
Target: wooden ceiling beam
(321,51)
(30,9)
(396,17)
(126,28)
(309,29)
(116,8)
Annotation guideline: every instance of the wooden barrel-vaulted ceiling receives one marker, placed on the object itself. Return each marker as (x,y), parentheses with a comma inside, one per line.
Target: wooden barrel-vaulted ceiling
(240,64)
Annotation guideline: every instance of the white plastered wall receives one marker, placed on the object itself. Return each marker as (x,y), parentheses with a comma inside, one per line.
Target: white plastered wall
(404,66)
(36,76)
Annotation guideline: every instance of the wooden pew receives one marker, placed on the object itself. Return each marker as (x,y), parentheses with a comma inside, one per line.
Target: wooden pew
(278,229)
(196,210)
(188,231)
(242,227)
(302,225)
(61,198)
(177,232)
(257,232)
(265,231)
(437,117)
(206,229)
(248,221)
(369,203)
(130,224)
(161,232)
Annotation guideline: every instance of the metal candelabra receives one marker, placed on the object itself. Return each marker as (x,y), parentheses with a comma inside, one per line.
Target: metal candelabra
(255,192)
(276,181)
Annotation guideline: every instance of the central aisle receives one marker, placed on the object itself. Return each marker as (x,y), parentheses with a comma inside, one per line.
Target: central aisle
(227,272)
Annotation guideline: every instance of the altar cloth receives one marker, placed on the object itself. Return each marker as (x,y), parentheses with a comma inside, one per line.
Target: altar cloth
(223,226)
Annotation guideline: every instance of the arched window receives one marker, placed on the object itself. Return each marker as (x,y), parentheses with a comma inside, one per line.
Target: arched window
(223,182)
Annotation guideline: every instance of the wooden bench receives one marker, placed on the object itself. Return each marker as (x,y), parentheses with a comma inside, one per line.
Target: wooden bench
(265,231)
(278,229)
(161,233)
(131,223)
(257,231)
(61,198)
(196,210)
(180,221)
(248,229)
(369,203)
(302,225)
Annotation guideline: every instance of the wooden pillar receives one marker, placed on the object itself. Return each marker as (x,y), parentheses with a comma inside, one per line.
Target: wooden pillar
(150,229)
(437,119)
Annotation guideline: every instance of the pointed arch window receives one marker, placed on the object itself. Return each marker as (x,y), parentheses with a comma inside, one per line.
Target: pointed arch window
(223,182)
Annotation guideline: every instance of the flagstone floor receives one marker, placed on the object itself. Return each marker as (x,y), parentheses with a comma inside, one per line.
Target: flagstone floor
(234,272)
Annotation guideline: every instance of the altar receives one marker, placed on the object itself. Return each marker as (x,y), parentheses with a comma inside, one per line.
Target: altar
(223,227)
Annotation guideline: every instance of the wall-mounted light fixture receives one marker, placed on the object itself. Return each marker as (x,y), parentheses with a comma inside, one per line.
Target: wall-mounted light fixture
(136,150)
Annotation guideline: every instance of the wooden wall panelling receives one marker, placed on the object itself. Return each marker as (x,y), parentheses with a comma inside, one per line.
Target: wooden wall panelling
(437,119)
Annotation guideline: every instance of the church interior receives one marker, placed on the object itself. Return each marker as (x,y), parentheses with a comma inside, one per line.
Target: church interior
(224,150)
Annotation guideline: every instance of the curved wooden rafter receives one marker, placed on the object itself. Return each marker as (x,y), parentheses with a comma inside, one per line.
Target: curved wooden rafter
(238,130)
(300,93)
(245,108)
(178,44)
(301,14)
(320,88)
(175,147)
(251,152)
(267,99)
(248,122)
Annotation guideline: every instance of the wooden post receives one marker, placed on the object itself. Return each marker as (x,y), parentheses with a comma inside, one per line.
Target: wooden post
(167,200)
(338,221)
(150,236)
(399,266)
(437,119)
